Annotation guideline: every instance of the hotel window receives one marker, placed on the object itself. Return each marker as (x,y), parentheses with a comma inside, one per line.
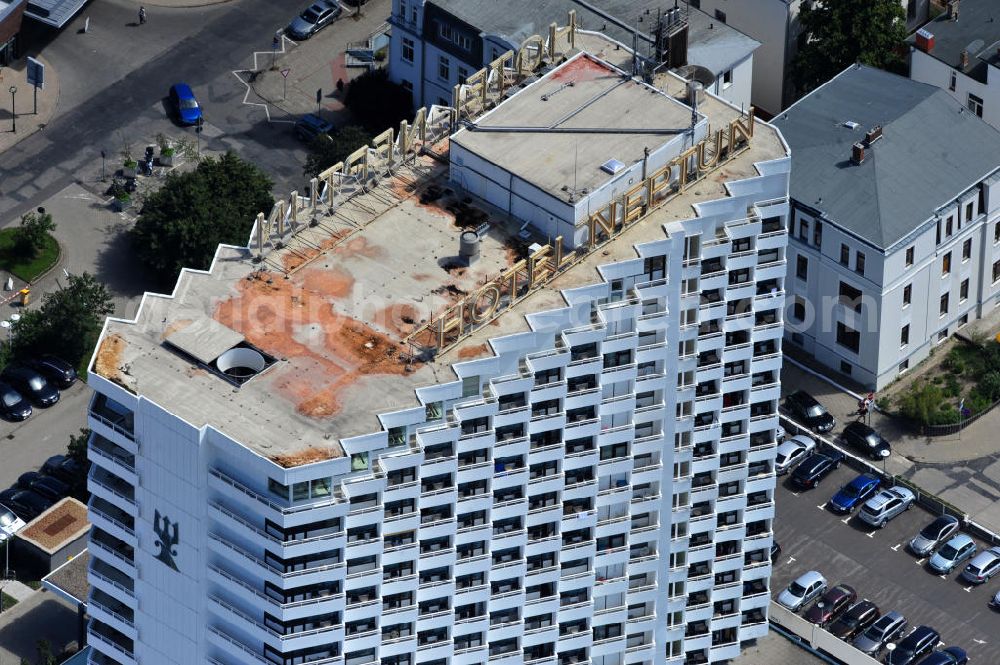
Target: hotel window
(904,335)
(799,310)
(845,254)
(907,294)
(444,68)
(970,209)
(996,271)
(976,104)
(996,234)
(946,264)
(948,227)
(967,249)
(848,337)
(727,78)
(720,15)
(953,81)
(801,267)
(818,234)
(963,291)
(859,263)
(408,47)
(909,257)
(944,304)
(804,230)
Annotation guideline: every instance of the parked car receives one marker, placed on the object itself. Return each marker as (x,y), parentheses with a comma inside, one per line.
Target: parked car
(26,504)
(316,17)
(9,523)
(909,649)
(51,488)
(775,550)
(954,552)
(983,566)
(887,628)
(791,452)
(59,372)
(64,468)
(185,104)
(885,505)
(805,409)
(815,468)
(806,587)
(779,435)
(309,126)
(853,494)
(856,619)
(831,604)
(932,535)
(995,601)
(866,440)
(13,406)
(31,384)
(947,656)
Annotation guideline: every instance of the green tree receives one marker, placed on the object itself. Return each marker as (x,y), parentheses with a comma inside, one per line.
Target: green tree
(325,151)
(378,103)
(837,34)
(68,321)
(77,448)
(183,223)
(33,231)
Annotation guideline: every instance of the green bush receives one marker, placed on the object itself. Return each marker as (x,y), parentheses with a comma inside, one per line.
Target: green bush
(955,362)
(937,380)
(989,386)
(951,386)
(977,402)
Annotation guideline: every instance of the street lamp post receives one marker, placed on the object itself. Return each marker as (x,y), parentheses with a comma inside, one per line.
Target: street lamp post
(13,111)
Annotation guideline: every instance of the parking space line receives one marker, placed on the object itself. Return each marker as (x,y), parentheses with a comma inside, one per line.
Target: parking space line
(846,520)
(920,562)
(791,560)
(895,548)
(978,641)
(944,577)
(968,589)
(822,506)
(870,534)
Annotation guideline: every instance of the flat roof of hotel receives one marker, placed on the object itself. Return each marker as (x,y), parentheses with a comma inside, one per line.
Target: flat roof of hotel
(333,307)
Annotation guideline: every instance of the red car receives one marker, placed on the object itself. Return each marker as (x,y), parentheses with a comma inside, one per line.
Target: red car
(831,604)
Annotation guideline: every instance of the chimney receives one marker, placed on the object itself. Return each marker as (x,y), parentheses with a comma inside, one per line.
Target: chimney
(925,40)
(953,10)
(872,135)
(858,153)
(963,59)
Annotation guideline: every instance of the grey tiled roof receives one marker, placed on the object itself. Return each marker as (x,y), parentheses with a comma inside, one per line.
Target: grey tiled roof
(931,151)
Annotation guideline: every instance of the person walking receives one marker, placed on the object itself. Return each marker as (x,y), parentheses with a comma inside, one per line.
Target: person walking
(142,15)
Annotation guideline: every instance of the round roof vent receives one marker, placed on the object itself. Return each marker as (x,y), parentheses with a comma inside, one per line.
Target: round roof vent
(241,363)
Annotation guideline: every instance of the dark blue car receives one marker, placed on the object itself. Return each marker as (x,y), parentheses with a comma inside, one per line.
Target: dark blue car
(185,104)
(948,656)
(853,494)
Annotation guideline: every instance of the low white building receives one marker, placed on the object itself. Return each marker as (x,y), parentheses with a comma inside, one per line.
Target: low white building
(775,24)
(894,242)
(436,44)
(959,52)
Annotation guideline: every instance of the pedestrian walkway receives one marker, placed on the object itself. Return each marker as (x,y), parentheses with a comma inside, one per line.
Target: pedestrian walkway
(29,119)
(41,617)
(16,590)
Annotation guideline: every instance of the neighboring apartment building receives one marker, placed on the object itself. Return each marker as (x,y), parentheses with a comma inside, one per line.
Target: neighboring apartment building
(436,44)
(11,13)
(572,463)
(775,24)
(895,243)
(959,51)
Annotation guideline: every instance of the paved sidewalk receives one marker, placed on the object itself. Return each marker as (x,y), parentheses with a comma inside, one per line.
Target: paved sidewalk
(16,590)
(178,4)
(28,121)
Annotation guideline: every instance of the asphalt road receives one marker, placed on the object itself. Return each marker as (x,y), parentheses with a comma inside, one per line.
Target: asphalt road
(118,76)
(878,565)
(25,446)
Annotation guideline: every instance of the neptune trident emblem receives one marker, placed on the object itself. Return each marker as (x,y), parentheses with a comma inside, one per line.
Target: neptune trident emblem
(167,538)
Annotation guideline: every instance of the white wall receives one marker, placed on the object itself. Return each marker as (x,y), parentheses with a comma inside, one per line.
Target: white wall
(928,69)
(738,91)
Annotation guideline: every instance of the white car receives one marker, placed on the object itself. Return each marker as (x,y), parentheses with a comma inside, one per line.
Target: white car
(9,524)
(792,451)
(808,586)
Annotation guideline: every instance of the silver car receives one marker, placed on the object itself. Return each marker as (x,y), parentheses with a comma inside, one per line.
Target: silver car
(808,586)
(885,505)
(316,17)
(889,626)
(983,566)
(932,535)
(791,452)
(9,524)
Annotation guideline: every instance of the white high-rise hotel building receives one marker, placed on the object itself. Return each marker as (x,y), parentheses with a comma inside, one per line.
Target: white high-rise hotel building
(572,464)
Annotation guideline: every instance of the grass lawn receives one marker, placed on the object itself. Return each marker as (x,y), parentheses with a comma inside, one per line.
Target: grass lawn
(26,269)
(8,601)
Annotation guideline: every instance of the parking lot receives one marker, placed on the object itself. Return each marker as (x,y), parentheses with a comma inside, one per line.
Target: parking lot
(879,566)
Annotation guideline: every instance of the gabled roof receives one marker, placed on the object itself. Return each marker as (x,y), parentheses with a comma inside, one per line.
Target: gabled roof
(931,151)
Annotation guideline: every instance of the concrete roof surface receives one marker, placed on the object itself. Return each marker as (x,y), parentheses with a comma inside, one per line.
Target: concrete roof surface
(977,31)
(337,301)
(71,578)
(585,93)
(718,47)
(932,150)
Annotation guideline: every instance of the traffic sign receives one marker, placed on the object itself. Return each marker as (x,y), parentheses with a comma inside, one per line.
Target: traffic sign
(36,73)
(286,71)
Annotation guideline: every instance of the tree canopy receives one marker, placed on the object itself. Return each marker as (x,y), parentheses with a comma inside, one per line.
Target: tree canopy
(378,103)
(183,223)
(33,232)
(68,321)
(838,34)
(325,151)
